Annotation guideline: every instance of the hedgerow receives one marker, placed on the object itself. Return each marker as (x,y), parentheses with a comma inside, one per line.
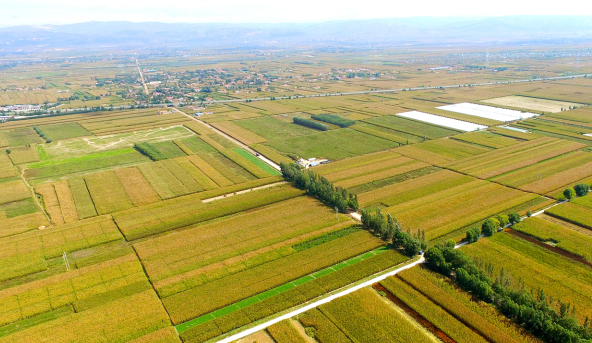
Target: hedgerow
(311,124)
(333,119)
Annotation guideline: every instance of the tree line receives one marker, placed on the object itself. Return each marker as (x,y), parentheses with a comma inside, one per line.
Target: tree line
(319,187)
(333,119)
(310,123)
(392,232)
(42,134)
(150,151)
(532,310)
(492,225)
(578,190)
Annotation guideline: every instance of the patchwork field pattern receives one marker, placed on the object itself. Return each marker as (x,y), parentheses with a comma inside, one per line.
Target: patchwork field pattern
(516,156)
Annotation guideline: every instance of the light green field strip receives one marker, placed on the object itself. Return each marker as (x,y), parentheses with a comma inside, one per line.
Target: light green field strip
(257,161)
(82,158)
(275,291)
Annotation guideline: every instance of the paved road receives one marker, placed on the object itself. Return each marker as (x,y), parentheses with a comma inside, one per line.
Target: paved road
(142,77)
(347,93)
(319,302)
(345,291)
(243,191)
(235,141)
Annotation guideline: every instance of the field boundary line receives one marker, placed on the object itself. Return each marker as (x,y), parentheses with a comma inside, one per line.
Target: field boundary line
(277,290)
(227,195)
(235,141)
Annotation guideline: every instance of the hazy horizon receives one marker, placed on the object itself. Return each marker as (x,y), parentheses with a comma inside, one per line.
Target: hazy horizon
(37,12)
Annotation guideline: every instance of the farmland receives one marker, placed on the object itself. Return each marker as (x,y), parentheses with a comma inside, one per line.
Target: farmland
(166,222)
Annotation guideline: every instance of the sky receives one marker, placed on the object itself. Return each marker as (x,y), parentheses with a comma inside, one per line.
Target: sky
(40,12)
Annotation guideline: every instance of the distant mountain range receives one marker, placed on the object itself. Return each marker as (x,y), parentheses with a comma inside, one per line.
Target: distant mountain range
(416,30)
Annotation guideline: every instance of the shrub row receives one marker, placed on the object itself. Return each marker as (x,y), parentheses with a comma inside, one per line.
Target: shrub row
(42,134)
(150,151)
(310,123)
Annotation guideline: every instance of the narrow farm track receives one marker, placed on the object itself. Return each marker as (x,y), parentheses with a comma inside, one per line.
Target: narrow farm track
(22,175)
(243,191)
(235,141)
(142,77)
(346,290)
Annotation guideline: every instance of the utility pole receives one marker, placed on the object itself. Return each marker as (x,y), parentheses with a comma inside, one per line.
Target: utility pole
(66,261)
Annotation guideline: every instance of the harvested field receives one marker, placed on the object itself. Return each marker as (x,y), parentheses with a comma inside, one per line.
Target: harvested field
(535,104)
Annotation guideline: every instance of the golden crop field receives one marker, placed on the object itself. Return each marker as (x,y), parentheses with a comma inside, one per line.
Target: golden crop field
(147,223)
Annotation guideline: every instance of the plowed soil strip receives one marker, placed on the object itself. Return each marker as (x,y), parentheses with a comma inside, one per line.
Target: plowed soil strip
(550,247)
(419,318)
